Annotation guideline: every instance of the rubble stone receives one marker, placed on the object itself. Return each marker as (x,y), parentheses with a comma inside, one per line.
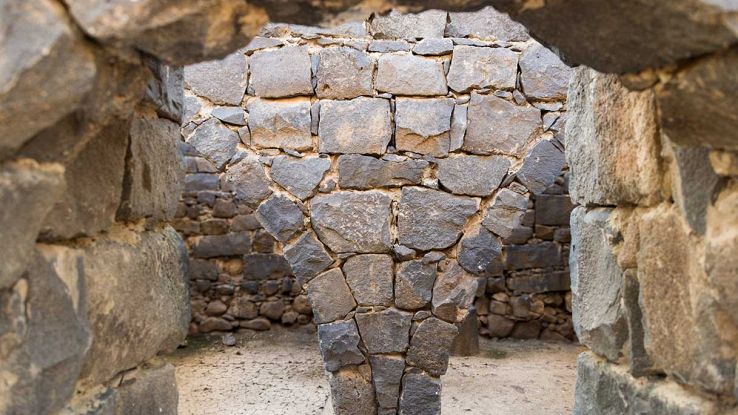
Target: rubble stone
(370,277)
(454,174)
(339,344)
(361,125)
(385,331)
(330,296)
(221,81)
(479,68)
(498,126)
(344,73)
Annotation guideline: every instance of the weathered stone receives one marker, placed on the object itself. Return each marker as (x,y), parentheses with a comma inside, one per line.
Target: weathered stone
(478,250)
(258,43)
(596,281)
(307,257)
(230,115)
(221,81)
(499,326)
(165,91)
(466,342)
(540,282)
(125,285)
(472,175)
(434,47)
(353,221)
(423,125)
(387,376)
(395,25)
(612,142)
(352,392)
(542,255)
(201,182)
(430,346)
(693,184)
(339,344)
(39,45)
(364,172)
(541,167)
(150,390)
(543,75)
(281,217)
(498,126)
(421,394)
(154,177)
(429,219)
(505,213)
(280,123)
(360,125)
(257,324)
(370,278)
(385,331)
(453,293)
(263,267)
(487,23)
(459,121)
(215,141)
(283,72)
(299,176)
(414,284)
(721,242)
(247,180)
(330,296)
(410,75)
(480,68)
(344,73)
(553,209)
(244,309)
(231,244)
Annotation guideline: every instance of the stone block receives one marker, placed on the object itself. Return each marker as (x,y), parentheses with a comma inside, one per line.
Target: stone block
(540,282)
(149,390)
(414,284)
(199,182)
(339,344)
(409,74)
(542,74)
(553,209)
(300,176)
(330,296)
(139,288)
(344,73)
(307,257)
(431,345)
(466,342)
(693,183)
(364,172)
(423,125)
(596,283)
(459,122)
(721,243)
(487,24)
(498,126)
(370,278)
(387,376)
(542,255)
(612,142)
(361,125)
(421,394)
(480,68)
(385,331)
(541,167)
(478,250)
(283,72)
(247,180)
(385,46)
(453,293)
(230,244)
(353,221)
(281,217)
(505,213)
(430,219)
(220,81)
(472,175)
(352,392)
(280,123)
(499,326)
(262,267)
(165,91)
(214,141)
(230,115)
(396,25)
(434,47)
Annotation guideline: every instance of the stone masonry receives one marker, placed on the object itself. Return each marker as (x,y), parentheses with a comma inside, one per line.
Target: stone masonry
(389,181)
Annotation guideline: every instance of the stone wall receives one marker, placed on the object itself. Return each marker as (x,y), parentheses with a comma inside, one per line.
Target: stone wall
(410,109)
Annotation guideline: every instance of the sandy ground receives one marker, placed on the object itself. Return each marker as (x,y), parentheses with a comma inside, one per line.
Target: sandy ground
(280,373)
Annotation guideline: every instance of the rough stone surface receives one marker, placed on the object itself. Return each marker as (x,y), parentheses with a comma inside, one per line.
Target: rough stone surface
(307,256)
(414,284)
(498,126)
(353,221)
(385,331)
(553,209)
(459,122)
(478,251)
(477,68)
(434,47)
(694,182)
(352,391)
(387,376)
(721,238)
(454,173)
(410,75)
(230,115)
(541,167)
(221,81)
(395,25)
(344,73)
(370,278)
(540,255)
(248,181)
(151,390)
(487,23)
(281,217)
(543,75)
(423,125)
(430,219)
(280,123)
(330,296)
(421,394)
(364,172)
(505,213)
(283,72)
(299,176)
(431,345)
(339,344)
(361,125)
(214,141)
(453,293)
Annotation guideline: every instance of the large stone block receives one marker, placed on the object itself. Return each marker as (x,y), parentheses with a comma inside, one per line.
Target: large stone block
(421,394)
(487,24)
(283,72)
(410,75)
(479,68)
(364,172)
(138,300)
(385,331)
(344,73)
(28,191)
(540,282)
(543,75)
(541,255)
(414,284)
(307,257)
(353,221)
(330,296)
(247,180)
(612,142)
(431,345)
(361,125)
(214,141)
(352,391)
(430,219)
(261,267)
(553,209)
(154,176)
(300,176)
(396,25)
(165,91)
(693,184)
(280,123)
(453,293)
(281,217)
(387,376)
(370,277)
(498,126)
(339,344)
(505,213)
(149,390)
(220,81)
(40,45)
(472,175)
(230,244)
(423,125)
(478,250)
(541,167)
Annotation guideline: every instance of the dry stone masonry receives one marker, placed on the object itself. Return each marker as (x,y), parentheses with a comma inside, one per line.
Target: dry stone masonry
(394,182)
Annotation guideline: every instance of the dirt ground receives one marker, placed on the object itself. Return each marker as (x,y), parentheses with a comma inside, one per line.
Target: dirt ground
(280,373)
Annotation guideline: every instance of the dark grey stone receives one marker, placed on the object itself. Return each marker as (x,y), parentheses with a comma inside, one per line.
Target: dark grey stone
(198,182)
(283,72)
(299,176)
(284,124)
(230,115)
(344,73)
(410,75)
(640,362)
(421,394)
(352,392)
(478,68)
(453,293)
(422,125)
(544,254)
(498,126)
(387,376)
(220,81)
(543,76)
(201,269)
(431,345)
(385,331)
(262,267)
(487,23)
(434,47)
(466,342)
(370,278)
(414,284)
(459,121)
(330,296)
(478,250)
(339,344)
(281,217)
(694,185)
(215,142)
(505,213)
(356,171)
(307,257)
(472,175)
(165,91)
(231,244)
(540,282)
(247,180)
(361,125)
(396,25)
(541,167)
(553,209)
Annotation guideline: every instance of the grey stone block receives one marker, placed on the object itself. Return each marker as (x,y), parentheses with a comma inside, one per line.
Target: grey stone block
(472,175)
(330,296)
(214,141)
(307,257)
(498,126)
(165,91)
(478,250)
(434,47)
(262,267)
(385,331)
(410,75)
(231,244)
(299,176)
(543,75)
(247,180)
(414,284)
(339,344)
(387,376)
(281,217)
(421,394)
(541,255)
(364,172)
(431,345)
(370,278)
(283,72)
(396,25)
(220,81)
(280,123)
(553,209)
(344,73)
(480,68)
(694,184)
(486,23)
(423,125)
(352,392)
(230,115)
(453,293)
(361,125)
(459,122)
(541,167)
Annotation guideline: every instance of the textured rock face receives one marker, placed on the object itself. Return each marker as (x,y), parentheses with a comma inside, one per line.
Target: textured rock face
(339,345)
(330,296)
(414,284)
(395,25)
(214,141)
(543,75)
(423,125)
(496,125)
(477,68)
(344,73)
(221,81)
(307,256)
(361,125)
(429,349)
(281,217)
(410,75)
(386,331)
(387,376)
(280,124)
(299,176)
(364,172)
(248,181)
(453,293)
(541,166)
(282,72)
(453,173)
(352,391)
(370,278)
(487,23)
(421,394)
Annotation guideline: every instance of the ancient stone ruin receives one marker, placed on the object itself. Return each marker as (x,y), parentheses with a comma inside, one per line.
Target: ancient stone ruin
(386,169)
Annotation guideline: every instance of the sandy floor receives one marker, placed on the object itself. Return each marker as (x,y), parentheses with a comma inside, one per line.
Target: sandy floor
(279,372)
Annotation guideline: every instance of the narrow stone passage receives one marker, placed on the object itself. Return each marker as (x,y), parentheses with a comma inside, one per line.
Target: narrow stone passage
(280,372)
